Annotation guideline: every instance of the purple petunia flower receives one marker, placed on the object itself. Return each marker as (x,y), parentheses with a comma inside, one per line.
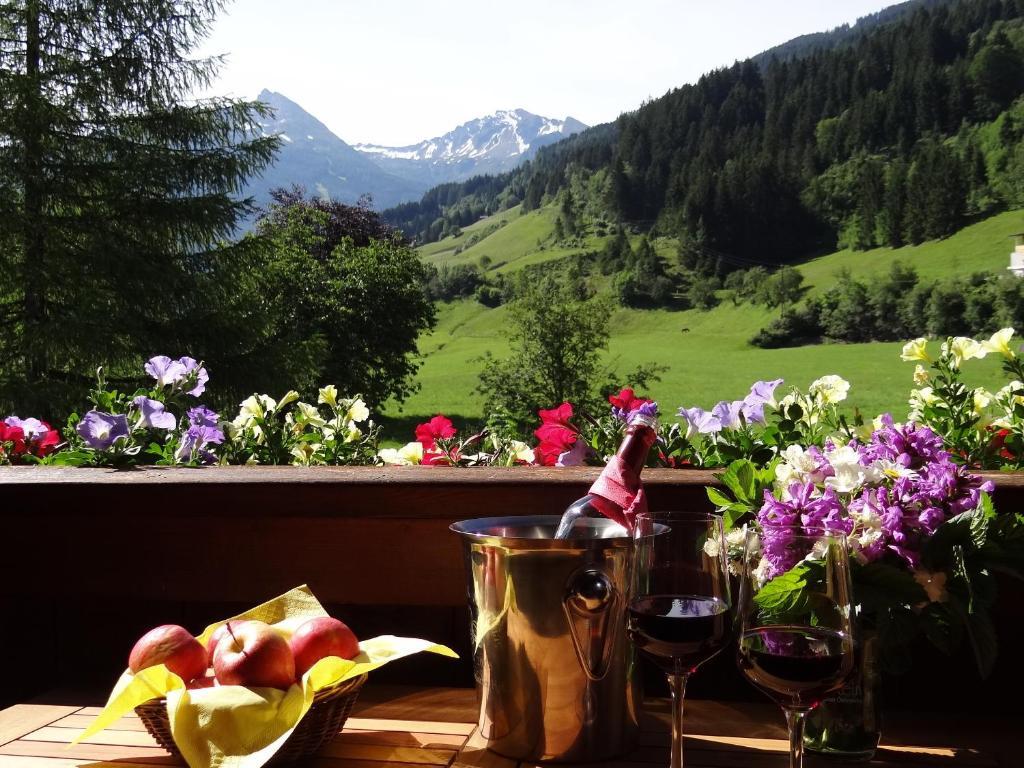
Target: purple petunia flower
(152,414)
(32,428)
(101,430)
(762,393)
(166,371)
(203,416)
(699,421)
(192,366)
(194,444)
(730,414)
(171,373)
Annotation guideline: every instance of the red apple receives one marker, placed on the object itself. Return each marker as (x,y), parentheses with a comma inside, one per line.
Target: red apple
(206,681)
(218,634)
(172,646)
(319,638)
(253,654)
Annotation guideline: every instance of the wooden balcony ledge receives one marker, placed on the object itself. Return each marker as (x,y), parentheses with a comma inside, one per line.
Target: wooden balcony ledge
(435,728)
(92,558)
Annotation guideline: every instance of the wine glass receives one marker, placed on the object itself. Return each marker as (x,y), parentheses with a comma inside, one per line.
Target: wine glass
(679,604)
(794,619)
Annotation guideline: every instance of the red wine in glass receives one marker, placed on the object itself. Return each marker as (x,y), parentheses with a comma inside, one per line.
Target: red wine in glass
(795,665)
(679,632)
(680,608)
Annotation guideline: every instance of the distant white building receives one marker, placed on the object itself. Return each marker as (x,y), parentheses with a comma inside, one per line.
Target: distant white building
(1017,257)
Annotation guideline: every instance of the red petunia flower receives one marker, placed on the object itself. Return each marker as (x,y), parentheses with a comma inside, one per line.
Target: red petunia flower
(627,400)
(438,428)
(427,434)
(47,442)
(555,433)
(12,441)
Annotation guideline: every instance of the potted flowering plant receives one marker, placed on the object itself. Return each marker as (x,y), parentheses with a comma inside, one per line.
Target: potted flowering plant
(925,540)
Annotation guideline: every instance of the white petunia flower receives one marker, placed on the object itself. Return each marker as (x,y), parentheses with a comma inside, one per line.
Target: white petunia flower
(408,454)
(831,389)
(921,375)
(522,451)
(357,411)
(915,350)
(961,348)
(1000,343)
(310,414)
(328,395)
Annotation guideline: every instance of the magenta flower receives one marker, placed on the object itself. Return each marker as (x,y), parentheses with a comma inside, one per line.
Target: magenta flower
(101,430)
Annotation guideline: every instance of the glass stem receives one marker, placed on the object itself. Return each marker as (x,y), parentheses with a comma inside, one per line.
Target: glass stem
(795,720)
(677,683)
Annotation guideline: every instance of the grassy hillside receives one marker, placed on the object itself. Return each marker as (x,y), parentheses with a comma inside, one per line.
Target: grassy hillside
(708,353)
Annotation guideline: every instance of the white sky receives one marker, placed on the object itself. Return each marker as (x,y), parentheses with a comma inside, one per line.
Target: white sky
(394,72)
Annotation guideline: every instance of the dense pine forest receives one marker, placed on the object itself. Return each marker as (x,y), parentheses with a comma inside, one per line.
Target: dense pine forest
(900,131)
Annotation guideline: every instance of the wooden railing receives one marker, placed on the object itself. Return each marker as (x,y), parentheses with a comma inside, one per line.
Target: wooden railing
(93,558)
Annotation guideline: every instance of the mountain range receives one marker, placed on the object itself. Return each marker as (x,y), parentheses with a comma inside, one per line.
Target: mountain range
(313,157)
(490,144)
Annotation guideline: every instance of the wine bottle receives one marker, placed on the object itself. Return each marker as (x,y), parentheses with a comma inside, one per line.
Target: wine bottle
(617,493)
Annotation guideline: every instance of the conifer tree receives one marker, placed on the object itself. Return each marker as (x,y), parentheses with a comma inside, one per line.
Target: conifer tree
(117,187)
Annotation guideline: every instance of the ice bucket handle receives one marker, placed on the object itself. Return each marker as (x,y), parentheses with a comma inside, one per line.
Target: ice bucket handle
(593,606)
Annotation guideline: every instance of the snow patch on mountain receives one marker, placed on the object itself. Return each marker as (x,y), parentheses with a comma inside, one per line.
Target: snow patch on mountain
(487,144)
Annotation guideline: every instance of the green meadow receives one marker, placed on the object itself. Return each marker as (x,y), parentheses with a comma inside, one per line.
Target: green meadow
(708,354)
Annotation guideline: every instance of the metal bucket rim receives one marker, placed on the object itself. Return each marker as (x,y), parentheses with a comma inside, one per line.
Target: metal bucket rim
(532,542)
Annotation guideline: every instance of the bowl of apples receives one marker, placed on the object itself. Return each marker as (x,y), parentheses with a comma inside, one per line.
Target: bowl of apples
(255,655)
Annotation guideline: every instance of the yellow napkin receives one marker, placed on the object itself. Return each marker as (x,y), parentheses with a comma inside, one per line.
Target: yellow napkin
(231,726)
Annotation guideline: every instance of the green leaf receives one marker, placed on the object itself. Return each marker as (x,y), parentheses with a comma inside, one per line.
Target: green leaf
(718,498)
(897,629)
(739,478)
(878,586)
(982,635)
(786,594)
(942,626)
(968,529)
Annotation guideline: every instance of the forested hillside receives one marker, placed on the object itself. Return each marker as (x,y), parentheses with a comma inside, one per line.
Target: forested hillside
(897,134)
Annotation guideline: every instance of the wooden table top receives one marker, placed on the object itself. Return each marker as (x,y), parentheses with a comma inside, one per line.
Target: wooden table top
(434,728)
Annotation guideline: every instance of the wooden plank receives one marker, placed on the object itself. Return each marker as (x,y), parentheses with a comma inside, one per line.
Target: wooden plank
(476,755)
(20,719)
(401,739)
(342,762)
(80,721)
(153,755)
(106,736)
(420,726)
(389,754)
(27,761)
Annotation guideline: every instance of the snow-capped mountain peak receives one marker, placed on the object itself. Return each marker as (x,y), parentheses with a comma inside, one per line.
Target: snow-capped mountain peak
(487,144)
(313,157)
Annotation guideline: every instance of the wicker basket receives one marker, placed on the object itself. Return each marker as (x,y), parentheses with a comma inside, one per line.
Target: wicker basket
(324,720)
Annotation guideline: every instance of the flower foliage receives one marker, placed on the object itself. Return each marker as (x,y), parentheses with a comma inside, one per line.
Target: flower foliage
(335,431)
(984,429)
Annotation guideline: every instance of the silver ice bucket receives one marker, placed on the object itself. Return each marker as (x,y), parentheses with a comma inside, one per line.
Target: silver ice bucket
(554,668)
